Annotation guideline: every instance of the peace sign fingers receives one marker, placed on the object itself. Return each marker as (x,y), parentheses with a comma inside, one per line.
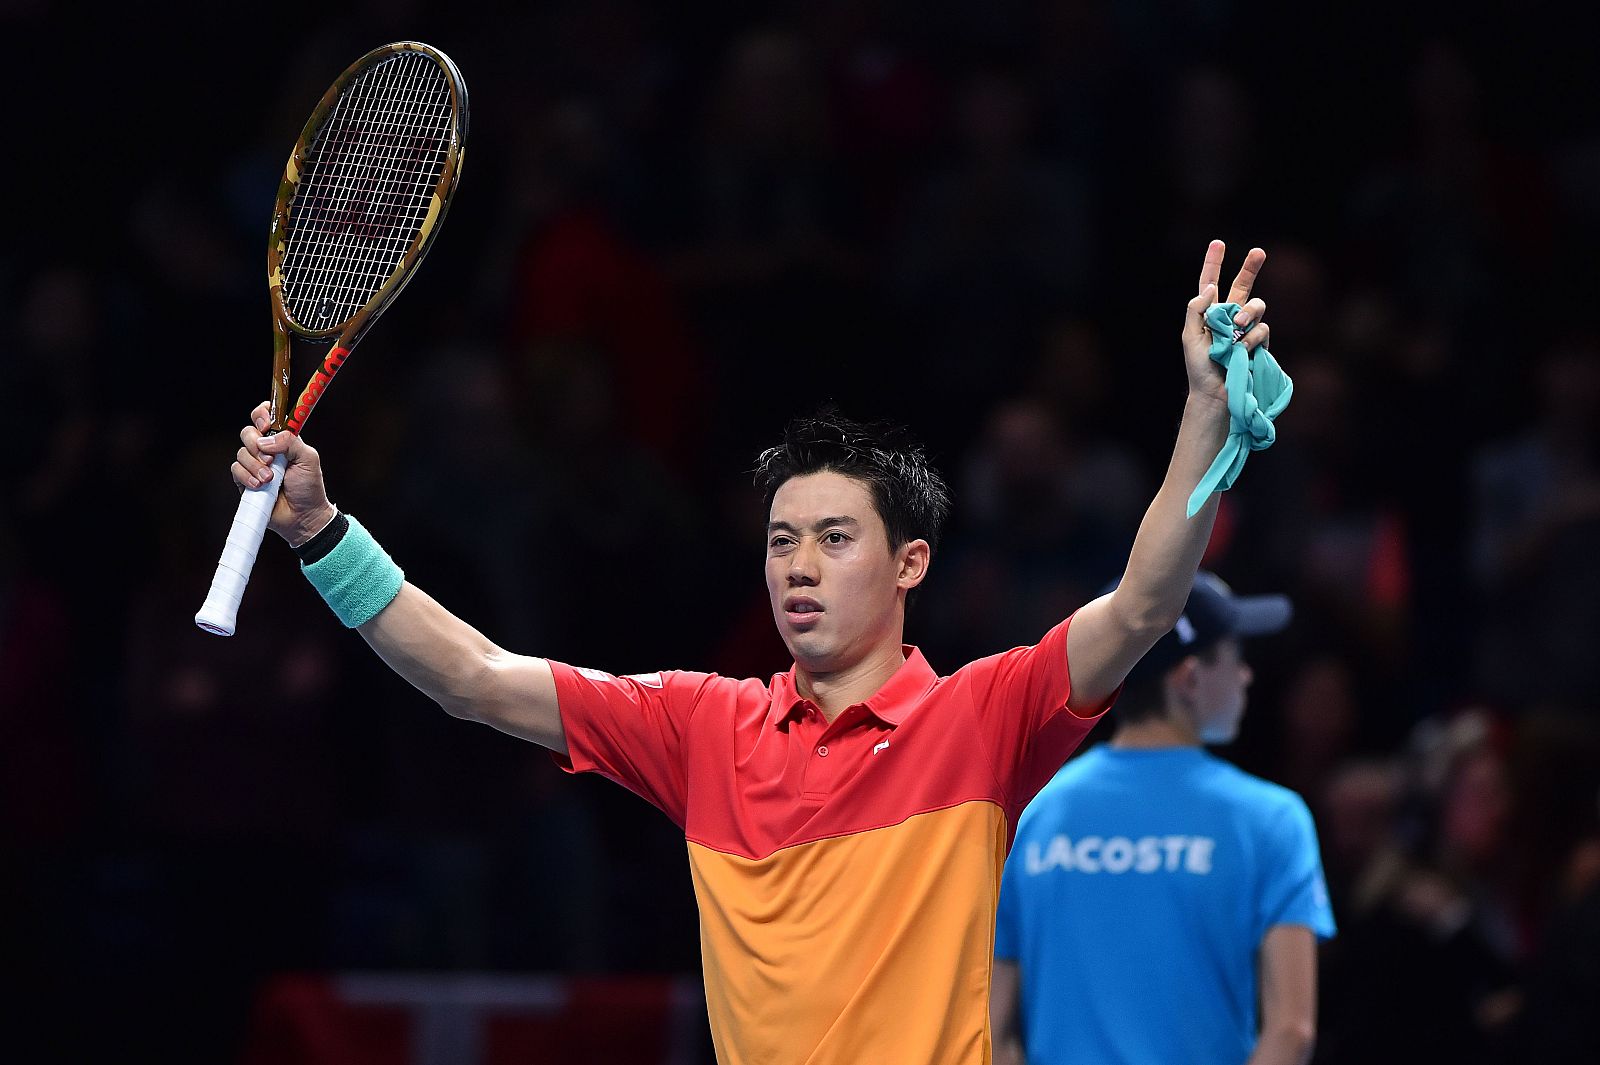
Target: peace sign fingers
(1211,271)
(1253,260)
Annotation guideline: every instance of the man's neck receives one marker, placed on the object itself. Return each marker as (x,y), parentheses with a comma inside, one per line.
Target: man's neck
(835,691)
(1153,733)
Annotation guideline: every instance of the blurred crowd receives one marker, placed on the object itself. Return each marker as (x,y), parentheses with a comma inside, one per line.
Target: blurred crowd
(677,229)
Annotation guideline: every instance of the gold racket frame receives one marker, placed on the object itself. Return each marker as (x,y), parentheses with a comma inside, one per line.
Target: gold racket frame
(350,331)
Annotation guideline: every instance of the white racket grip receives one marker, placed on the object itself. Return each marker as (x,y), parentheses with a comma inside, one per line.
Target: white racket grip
(220,612)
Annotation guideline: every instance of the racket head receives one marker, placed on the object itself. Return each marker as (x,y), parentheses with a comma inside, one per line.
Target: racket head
(367,184)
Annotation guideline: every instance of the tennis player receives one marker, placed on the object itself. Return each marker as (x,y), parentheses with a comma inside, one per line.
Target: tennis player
(847,821)
(1156,893)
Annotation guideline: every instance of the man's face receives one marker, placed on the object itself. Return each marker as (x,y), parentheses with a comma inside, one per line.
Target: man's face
(1219,693)
(833,582)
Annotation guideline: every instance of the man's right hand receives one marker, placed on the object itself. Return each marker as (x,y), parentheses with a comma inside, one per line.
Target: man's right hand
(302,509)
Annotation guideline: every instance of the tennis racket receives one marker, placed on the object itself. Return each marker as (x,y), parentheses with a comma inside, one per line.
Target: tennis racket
(360,203)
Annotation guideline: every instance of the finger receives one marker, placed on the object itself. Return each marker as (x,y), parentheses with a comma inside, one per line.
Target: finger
(1247,276)
(249,436)
(260,416)
(1196,321)
(273,443)
(1211,269)
(1251,313)
(252,464)
(242,477)
(1258,337)
(294,450)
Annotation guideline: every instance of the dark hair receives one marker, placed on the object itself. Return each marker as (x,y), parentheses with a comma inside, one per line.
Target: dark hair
(909,494)
(1144,695)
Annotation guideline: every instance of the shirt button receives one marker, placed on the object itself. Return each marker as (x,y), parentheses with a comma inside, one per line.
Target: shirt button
(822,751)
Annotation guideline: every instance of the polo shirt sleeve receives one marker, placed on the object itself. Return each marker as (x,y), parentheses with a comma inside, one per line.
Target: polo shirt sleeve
(1295,891)
(629,729)
(1020,699)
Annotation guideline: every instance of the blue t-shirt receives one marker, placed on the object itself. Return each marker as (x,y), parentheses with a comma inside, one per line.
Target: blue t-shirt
(1137,893)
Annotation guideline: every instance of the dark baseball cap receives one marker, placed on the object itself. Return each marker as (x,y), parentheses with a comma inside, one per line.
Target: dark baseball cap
(1213,613)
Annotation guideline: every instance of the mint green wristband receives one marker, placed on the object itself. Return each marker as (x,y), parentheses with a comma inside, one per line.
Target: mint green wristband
(357,578)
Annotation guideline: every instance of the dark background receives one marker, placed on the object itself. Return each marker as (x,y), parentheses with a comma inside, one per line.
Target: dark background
(679,226)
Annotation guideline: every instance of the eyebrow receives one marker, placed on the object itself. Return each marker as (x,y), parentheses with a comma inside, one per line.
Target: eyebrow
(783,526)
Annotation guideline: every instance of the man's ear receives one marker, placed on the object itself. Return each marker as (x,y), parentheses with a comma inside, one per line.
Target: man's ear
(914,558)
(1183,678)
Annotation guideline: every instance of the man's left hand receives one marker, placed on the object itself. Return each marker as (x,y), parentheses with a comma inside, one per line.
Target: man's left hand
(1206,376)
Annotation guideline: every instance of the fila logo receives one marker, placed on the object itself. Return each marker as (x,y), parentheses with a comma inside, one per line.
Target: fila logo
(882,746)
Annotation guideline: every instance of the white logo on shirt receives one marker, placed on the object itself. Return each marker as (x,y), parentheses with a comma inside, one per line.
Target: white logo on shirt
(648,680)
(1119,854)
(882,746)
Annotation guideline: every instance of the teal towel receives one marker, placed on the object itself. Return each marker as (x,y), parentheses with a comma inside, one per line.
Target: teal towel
(1258,390)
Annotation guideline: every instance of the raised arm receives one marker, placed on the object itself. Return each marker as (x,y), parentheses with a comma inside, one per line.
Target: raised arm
(442,656)
(1111,634)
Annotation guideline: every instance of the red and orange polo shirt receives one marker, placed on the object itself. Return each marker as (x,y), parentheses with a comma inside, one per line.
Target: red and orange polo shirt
(847,873)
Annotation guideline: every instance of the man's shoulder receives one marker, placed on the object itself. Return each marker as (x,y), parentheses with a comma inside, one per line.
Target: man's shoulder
(678,684)
(1055,637)
(731,691)
(1263,798)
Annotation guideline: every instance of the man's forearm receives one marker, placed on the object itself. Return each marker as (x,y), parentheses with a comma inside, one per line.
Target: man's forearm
(464,671)
(436,652)
(439,654)
(1287,962)
(1283,1046)
(1005,1012)
(1008,1051)
(1167,551)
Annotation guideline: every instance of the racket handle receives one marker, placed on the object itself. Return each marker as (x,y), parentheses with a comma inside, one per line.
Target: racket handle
(220,611)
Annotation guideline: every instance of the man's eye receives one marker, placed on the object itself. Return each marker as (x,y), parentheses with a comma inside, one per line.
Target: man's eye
(836,538)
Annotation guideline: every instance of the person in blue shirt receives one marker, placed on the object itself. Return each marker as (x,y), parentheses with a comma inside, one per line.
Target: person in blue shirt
(1155,894)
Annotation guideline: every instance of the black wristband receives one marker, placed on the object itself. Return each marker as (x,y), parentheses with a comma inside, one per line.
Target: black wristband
(319,545)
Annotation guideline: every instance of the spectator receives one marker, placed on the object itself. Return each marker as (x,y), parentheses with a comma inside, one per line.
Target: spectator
(1535,540)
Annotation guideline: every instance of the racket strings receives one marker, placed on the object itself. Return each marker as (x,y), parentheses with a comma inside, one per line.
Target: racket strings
(372,236)
(395,214)
(366,188)
(373,227)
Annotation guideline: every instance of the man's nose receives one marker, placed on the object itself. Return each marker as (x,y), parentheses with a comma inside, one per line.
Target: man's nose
(803,564)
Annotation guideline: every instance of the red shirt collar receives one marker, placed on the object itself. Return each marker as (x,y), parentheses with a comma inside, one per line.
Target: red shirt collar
(889,704)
